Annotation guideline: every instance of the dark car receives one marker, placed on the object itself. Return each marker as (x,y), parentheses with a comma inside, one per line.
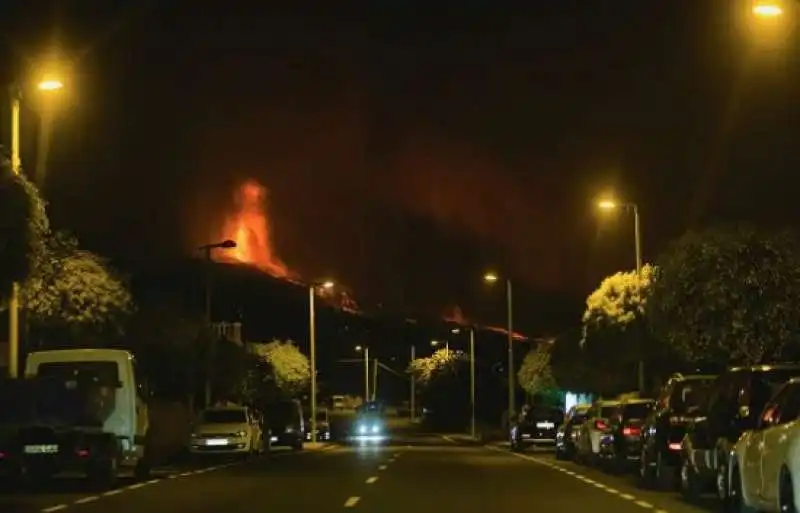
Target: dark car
(678,402)
(620,447)
(734,403)
(536,425)
(565,437)
(283,421)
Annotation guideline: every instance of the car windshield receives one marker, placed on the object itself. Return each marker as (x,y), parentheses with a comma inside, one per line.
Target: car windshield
(689,394)
(607,411)
(536,414)
(636,410)
(224,416)
(280,414)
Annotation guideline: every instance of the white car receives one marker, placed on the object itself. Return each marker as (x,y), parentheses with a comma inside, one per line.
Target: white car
(231,430)
(591,432)
(764,470)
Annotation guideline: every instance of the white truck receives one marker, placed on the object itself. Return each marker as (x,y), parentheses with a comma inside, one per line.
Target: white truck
(83,412)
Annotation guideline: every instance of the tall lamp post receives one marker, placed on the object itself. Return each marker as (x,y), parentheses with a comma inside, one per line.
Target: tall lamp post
(16,167)
(365,350)
(312,342)
(207,250)
(472,402)
(491,277)
(637,240)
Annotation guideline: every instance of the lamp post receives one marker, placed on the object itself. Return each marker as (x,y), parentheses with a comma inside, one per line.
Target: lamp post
(491,278)
(637,240)
(207,249)
(16,168)
(472,402)
(312,339)
(365,350)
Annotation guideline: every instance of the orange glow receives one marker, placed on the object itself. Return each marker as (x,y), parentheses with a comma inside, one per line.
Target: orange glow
(250,227)
(454,315)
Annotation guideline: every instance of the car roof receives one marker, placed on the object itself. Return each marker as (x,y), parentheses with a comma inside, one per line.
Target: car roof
(641,400)
(609,402)
(767,368)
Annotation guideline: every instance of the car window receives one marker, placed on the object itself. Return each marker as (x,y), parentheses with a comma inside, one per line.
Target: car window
(607,411)
(224,416)
(636,410)
(688,394)
(783,407)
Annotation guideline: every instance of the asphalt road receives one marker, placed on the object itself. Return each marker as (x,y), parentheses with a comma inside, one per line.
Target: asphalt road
(409,473)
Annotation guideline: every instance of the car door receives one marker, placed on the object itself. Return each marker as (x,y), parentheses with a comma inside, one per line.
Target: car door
(751,467)
(775,438)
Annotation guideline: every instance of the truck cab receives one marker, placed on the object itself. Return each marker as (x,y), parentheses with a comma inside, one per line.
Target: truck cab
(85,413)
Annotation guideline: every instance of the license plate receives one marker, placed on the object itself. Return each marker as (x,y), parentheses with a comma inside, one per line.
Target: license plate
(545,425)
(217,441)
(526,435)
(41,449)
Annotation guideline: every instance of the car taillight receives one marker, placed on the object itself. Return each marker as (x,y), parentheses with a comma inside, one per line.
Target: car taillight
(82,453)
(600,425)
(675,446)
(631,431)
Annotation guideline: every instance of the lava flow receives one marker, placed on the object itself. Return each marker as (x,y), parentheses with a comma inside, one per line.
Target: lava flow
(250,227)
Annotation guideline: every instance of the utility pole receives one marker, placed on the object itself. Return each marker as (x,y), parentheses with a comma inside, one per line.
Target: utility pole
(413,387)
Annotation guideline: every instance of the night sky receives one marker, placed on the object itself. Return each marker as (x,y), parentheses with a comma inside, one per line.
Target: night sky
(407,149)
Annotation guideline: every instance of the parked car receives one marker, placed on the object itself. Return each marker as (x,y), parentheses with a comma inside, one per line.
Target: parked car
(764,463)
(284,421)
(662,433)
(591,432)
(323,426)
(620,446)
(536,426)
(230,430)
(734,404)
(568,431)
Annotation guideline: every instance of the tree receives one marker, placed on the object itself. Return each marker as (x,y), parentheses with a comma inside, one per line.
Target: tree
(282,365)
(24,228)
(73,295)
(728,295)
(535,374)
(444,387)
(442,362)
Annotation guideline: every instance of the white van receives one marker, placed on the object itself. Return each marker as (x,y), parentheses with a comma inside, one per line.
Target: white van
(89,415)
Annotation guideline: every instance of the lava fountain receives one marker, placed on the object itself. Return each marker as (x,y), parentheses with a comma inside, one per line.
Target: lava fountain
(250,227)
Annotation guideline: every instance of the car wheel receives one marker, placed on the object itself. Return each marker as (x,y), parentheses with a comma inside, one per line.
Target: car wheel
(689,480)
(646,473)
(786,499)
(736,502)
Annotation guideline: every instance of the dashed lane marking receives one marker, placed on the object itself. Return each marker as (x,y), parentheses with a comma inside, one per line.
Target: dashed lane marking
(382,467)
(352,501)
(112,492)
(596,484)
(87,500)
(372,479)
(58,507)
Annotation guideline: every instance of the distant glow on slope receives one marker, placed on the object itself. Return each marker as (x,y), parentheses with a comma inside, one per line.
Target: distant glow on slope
(251,228)
(456,316)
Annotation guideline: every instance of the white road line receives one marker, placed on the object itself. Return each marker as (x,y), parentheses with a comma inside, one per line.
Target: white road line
(59,507)
(87,500)
(396,455)
(584,479)
(391,460)
(153,481)
(382,467)
(135,486)
(352,501)
(184,474)
(173,476)
(112,492)
(372,479)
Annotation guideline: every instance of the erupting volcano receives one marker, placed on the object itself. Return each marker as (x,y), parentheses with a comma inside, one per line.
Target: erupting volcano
(250,227)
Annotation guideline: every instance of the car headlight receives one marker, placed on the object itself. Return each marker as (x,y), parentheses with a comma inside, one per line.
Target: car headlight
(241,434)
(362,429)
(376,429)
(290,429)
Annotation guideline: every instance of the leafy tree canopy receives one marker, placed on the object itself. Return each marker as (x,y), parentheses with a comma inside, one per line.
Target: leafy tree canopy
(24,227)
(442,362)
(536,375)
(288,368)
(728,295)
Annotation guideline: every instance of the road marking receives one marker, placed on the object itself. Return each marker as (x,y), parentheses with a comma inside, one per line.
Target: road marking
(87,500)
(112,492)
(54,508)
(152,481)
(352,501)
(382,467)
(607,489)
(135,486)
(391,460)
(372,479)
(396,455)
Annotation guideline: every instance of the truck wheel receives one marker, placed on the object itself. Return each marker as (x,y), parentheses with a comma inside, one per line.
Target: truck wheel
(142,469)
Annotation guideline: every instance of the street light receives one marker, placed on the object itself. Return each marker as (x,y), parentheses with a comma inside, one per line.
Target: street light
(207,249)
(491,277)
(435,343)
(16,167)
(767,9)
(50,85)
(365,350)
(637,240)
(312,342)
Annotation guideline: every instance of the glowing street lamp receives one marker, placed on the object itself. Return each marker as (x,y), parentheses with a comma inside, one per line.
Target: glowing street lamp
(50,85)
(767,9)
(312,342)
(491,278)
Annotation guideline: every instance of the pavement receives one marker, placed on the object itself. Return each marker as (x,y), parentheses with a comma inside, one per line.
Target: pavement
(407,473)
